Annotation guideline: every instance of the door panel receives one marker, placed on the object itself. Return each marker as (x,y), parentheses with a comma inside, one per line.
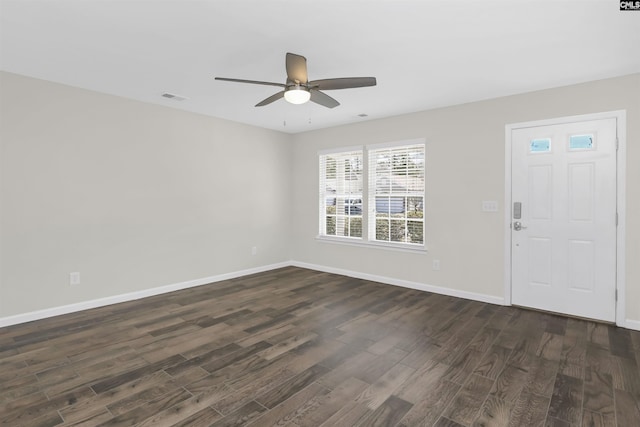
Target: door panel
(540,191)
(563,249)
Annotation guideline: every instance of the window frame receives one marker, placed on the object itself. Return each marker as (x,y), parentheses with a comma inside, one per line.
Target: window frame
(368,214)
(372,150)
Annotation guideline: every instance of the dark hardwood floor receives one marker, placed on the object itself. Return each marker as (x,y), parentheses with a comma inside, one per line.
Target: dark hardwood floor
(300,347)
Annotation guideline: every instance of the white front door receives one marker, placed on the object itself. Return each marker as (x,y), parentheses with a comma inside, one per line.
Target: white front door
(563,219)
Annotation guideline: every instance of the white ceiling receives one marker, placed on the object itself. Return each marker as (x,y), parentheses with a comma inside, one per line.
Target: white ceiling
(425,54)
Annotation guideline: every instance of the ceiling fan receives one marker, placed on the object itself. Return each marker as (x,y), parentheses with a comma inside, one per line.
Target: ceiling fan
(298,89)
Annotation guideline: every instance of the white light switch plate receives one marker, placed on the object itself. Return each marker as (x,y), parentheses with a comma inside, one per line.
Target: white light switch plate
(489,206)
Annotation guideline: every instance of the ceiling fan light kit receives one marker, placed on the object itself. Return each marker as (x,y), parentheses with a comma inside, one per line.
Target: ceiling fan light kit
(297,94)
(298,89)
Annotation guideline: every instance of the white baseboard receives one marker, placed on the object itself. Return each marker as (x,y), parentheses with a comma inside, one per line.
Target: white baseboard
(404,283)
(115,299)
(632,324)
(101,302)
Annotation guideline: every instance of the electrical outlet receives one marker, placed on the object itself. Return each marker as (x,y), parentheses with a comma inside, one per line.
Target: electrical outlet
(74,278)
(436,264)
(254,250)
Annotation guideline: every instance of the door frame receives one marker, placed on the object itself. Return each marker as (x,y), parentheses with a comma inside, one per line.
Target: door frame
(621,128)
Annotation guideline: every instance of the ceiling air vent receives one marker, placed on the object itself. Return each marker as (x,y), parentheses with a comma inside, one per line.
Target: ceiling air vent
(174,96)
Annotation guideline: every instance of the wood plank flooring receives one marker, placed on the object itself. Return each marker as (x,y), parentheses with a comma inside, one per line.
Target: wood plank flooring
(305,348)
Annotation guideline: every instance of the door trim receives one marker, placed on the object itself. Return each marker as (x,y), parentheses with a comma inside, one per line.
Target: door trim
(621,127)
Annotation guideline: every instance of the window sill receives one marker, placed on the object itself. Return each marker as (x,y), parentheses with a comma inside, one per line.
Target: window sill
(351,241)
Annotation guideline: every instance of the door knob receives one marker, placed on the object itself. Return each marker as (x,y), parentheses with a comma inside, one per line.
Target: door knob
(517,226)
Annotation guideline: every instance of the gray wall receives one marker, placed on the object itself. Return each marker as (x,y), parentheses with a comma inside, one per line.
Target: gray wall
(136,196)
(131,195)
(465,164)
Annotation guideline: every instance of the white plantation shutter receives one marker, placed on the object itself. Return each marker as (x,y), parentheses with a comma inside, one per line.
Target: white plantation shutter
(396,193)
(341,187)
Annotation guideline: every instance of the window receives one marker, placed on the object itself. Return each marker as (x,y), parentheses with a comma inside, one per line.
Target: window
(581,142)
(540,145)
(379,189)
(341,187)
(396,194)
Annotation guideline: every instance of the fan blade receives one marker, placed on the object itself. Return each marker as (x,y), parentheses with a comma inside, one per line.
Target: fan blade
(296,68)
(255,82)
(342,83)
(323,99)
(270,99)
